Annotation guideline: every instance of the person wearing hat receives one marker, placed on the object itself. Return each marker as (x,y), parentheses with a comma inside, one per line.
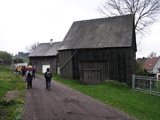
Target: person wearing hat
(29,77)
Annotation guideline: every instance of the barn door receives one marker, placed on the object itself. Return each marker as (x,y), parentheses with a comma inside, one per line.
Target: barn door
(44,67)
(93,72)
(91,76)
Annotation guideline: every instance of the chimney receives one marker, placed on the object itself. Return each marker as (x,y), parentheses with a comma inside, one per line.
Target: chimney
(51,41)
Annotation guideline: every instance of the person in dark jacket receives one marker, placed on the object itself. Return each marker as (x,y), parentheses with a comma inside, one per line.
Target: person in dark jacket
(48,77)
(23,71)
(29,77)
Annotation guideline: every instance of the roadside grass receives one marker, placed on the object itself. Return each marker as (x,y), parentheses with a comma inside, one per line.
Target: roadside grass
(12,109)
(140,105)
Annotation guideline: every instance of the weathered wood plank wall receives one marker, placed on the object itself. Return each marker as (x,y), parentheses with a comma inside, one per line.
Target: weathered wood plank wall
(115,63)
(66,71)
(91,76)
(39,61)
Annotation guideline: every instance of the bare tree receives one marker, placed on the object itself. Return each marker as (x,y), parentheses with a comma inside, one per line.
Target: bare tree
(145,11)
(32,47)
(152,54)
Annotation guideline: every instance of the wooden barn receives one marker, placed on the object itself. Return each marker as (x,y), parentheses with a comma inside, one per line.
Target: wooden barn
(45,56)
(99,49)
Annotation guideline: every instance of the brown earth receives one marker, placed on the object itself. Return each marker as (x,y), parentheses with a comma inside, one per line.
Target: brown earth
(11,95)
(64,103)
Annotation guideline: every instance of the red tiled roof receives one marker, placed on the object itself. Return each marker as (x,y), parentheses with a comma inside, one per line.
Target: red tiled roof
(150,63)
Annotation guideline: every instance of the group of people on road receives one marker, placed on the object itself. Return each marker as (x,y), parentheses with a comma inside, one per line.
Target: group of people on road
(21,70)
(30,74)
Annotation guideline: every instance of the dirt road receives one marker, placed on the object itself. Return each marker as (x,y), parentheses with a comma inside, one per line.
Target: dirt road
(64,103)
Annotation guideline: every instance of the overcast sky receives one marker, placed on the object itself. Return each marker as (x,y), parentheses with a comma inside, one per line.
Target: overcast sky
(24,22)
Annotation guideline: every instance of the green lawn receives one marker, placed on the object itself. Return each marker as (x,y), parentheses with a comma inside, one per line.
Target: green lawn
(13,109)
(140,105)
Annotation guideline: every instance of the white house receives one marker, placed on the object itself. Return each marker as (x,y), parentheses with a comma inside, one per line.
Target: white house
(152,65)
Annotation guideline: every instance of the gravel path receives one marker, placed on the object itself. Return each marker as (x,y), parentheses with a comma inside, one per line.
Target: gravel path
(64,103)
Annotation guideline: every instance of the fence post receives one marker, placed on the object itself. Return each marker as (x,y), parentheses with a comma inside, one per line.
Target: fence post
(133,82)
(150,85)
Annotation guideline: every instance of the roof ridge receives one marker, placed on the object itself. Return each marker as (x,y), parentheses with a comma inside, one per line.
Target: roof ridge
(104,18)
(49,42)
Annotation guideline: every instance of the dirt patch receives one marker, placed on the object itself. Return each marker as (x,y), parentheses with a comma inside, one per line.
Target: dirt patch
(11,95)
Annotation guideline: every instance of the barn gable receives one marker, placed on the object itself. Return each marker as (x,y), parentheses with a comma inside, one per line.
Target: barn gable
(99,49)
(45,55)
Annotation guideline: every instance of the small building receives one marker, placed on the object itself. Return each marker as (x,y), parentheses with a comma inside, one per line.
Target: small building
(152,65)
(99,49)
(45,56)
(1,61)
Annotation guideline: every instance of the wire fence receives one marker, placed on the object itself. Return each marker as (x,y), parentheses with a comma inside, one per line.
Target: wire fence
(145,84)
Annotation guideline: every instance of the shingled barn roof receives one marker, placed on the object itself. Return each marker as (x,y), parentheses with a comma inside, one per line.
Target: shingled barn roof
(46,49)
(100,33)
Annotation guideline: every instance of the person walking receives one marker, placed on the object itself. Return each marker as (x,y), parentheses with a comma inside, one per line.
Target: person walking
(29,77)
(19,70)
(23,71)
(48,77)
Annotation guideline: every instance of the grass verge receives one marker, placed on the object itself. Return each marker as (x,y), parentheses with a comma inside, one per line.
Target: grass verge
(120,96)
(12,109)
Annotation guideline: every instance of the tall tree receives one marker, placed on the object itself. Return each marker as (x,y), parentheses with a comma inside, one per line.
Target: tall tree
(5,55)
(145,11)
